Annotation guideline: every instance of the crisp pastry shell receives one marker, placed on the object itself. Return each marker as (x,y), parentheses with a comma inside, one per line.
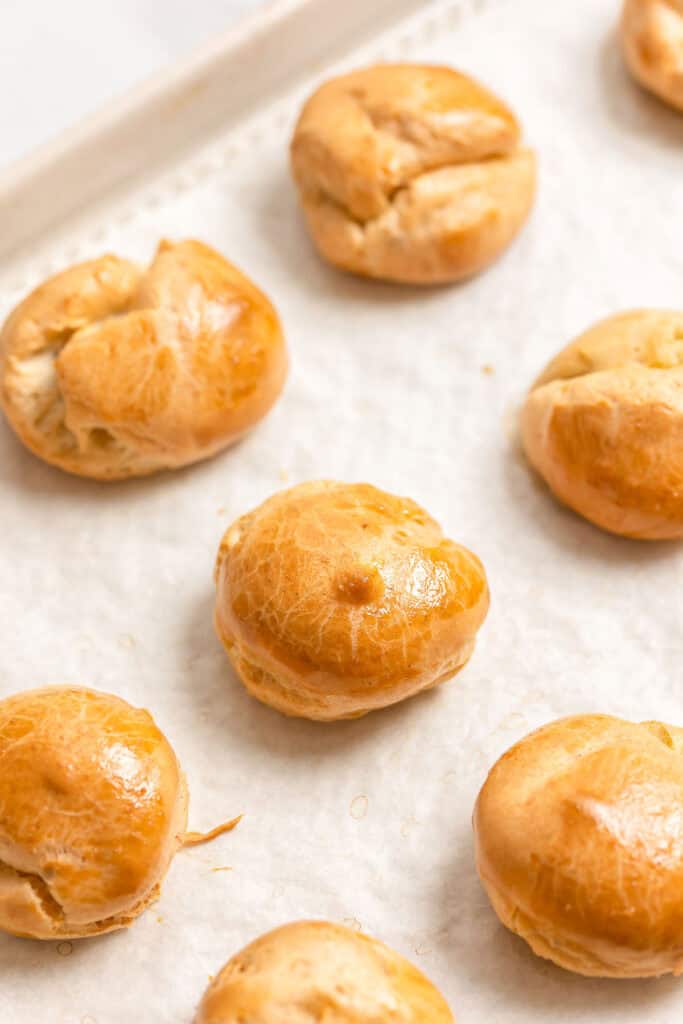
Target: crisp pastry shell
(336,599)
(312,970)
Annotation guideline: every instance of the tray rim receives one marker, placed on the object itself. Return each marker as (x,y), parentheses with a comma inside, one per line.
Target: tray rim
(177,109)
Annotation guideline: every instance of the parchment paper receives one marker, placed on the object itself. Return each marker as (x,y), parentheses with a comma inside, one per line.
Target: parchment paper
(110,585)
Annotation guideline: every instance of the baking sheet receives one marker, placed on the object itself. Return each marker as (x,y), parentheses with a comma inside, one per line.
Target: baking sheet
(367,822)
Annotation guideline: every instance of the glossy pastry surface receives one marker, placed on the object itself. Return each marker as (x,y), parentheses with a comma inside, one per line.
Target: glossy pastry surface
(314,971)
(92,807)
(333,599)
(603,424)
(579,839)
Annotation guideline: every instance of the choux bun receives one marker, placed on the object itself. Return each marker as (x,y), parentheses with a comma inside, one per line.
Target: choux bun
(411,173)
(579,838)
(603,425)
(334,599)
(652,41)
(111,371)
(92,807)
(314,971)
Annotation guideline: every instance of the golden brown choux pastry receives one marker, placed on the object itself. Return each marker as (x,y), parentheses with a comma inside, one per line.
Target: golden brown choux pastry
(334,599)
(652,41)
(110,371)
(579,837)
(411,173)
(314,971)
(603,424)
(93,805)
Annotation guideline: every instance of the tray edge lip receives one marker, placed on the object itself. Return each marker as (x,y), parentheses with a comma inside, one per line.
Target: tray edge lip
(179,76)
(28,177)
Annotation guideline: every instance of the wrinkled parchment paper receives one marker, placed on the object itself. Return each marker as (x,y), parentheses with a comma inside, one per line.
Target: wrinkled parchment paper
(368,822)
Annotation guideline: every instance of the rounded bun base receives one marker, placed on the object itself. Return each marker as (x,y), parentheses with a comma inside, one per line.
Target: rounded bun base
(28,911)
(287,695)
(446,227)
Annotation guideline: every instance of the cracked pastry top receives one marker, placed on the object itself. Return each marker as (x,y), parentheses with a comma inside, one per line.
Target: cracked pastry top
(411,173)
(92,807)
(652,41)
(315,971)
(108,370)
(603,424)
(334,599)
(579,839)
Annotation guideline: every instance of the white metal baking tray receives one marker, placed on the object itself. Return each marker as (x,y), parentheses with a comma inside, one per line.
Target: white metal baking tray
(110,585)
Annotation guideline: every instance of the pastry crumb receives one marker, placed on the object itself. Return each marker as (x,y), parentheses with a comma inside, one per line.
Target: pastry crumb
(407,826)
(515,720)
(488,369)
(198,838)
(221,511)
(226,868)
(127,640)
(284,475)
(65,948)
(359,807)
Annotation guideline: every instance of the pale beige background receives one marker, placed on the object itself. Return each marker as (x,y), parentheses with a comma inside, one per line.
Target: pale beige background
(62,59)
